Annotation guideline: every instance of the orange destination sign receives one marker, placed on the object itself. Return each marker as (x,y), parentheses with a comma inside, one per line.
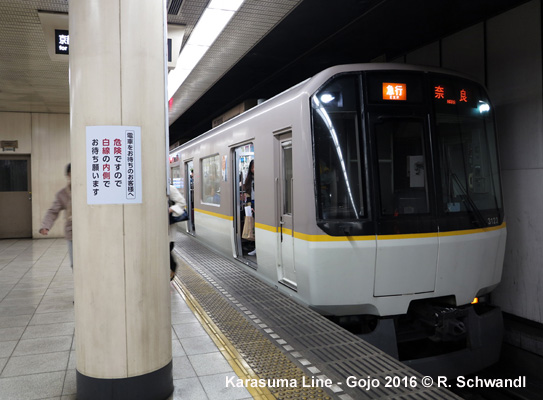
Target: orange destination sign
(394,91)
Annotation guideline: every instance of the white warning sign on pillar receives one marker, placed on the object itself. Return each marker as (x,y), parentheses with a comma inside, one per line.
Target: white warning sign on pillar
(113,164)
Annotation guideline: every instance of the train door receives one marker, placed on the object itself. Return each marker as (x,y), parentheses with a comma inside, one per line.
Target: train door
(407,242)
(285,184)
(15,197)
(244,245)
(189,196)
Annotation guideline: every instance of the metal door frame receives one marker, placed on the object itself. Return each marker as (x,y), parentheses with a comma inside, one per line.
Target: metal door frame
(237,204)
(285,276)
(189,195)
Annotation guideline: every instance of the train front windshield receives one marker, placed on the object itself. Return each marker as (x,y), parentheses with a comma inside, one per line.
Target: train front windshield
(426,143)
(339,150)
(467,150)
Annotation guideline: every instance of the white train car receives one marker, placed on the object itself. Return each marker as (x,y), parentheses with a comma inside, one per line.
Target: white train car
(377,202)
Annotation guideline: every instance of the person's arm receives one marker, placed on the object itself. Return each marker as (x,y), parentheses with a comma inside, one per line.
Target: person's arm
(179,202)
(51,215)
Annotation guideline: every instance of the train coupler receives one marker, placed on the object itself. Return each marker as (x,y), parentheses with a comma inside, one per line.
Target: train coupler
(448,323)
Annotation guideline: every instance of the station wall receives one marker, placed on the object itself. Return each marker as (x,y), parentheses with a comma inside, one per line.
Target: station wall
(46,138)
(505,54)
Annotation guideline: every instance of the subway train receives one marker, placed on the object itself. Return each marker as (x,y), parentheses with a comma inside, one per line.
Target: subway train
(376,201)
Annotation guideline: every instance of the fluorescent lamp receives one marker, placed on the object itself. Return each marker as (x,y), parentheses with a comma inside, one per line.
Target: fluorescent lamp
(191,55)
(175,78)
(210,25)
(231,5)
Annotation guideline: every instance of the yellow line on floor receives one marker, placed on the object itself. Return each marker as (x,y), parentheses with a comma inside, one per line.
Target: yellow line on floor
(236,361)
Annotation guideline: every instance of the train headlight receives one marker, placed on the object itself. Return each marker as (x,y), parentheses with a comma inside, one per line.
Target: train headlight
(327,98)
(475,300)
(483,107)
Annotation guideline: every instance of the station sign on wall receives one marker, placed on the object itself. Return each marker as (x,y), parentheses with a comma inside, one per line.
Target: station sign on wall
(62,41)
(62,44)
(113,164)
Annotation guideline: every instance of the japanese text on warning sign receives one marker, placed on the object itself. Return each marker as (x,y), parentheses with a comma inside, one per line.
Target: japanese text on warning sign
(113,164)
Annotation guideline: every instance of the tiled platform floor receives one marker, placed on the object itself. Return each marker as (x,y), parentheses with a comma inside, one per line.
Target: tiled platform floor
(37,349)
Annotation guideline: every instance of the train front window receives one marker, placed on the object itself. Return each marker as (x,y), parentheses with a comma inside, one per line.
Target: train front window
(337,150)
(467,152)
(402,166)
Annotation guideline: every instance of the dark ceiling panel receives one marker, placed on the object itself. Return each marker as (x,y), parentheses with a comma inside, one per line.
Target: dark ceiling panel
(322,33)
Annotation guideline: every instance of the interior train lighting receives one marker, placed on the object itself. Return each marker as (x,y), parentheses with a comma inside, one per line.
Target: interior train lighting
(210,25)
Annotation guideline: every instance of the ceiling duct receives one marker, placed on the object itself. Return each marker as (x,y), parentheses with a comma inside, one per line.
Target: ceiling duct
(175,6)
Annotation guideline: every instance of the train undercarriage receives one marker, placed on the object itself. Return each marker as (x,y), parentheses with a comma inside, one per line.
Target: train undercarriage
(435,338)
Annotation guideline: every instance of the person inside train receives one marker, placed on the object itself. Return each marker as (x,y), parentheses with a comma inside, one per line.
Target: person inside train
(177,213)
(325,178)
(249,188)
(63,201)
(177,206)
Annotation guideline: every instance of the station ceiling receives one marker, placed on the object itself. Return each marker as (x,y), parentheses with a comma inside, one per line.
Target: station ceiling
(268,46)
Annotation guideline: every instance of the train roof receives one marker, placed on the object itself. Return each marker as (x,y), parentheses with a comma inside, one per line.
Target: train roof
(312,84)
(390,66)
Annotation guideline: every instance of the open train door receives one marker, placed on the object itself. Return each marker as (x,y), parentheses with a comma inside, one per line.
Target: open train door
(189,195)
(244,249)
(285,197)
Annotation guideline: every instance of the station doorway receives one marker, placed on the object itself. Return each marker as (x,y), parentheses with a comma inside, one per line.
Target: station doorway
(15,197)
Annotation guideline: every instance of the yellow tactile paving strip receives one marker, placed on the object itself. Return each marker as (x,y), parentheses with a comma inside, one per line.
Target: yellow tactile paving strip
(251,355)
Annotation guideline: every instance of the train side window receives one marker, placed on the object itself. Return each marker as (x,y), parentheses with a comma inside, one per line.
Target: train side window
(176,178)
(211,180)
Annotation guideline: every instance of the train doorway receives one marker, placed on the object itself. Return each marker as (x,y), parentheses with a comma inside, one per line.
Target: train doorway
(285,197)
(405,208)
(245,244)
(15,197)
(189,196)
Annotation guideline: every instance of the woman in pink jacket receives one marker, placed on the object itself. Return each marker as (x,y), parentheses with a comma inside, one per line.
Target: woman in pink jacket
(63,201)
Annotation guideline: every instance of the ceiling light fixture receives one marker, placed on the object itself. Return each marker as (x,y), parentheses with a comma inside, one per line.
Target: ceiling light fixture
(210,25)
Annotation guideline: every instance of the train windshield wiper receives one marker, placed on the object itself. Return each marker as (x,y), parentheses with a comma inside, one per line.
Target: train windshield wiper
(466,198)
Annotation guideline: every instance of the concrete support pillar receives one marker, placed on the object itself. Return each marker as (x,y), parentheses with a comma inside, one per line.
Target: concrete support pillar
(121,264)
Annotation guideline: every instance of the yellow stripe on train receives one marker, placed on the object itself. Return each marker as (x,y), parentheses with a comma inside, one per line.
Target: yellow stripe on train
(214,214)
(327,238)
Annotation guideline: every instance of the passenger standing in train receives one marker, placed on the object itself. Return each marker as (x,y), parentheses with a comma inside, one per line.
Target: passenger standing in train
(191,199)
(63,201)
(177,213)
(249,188)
